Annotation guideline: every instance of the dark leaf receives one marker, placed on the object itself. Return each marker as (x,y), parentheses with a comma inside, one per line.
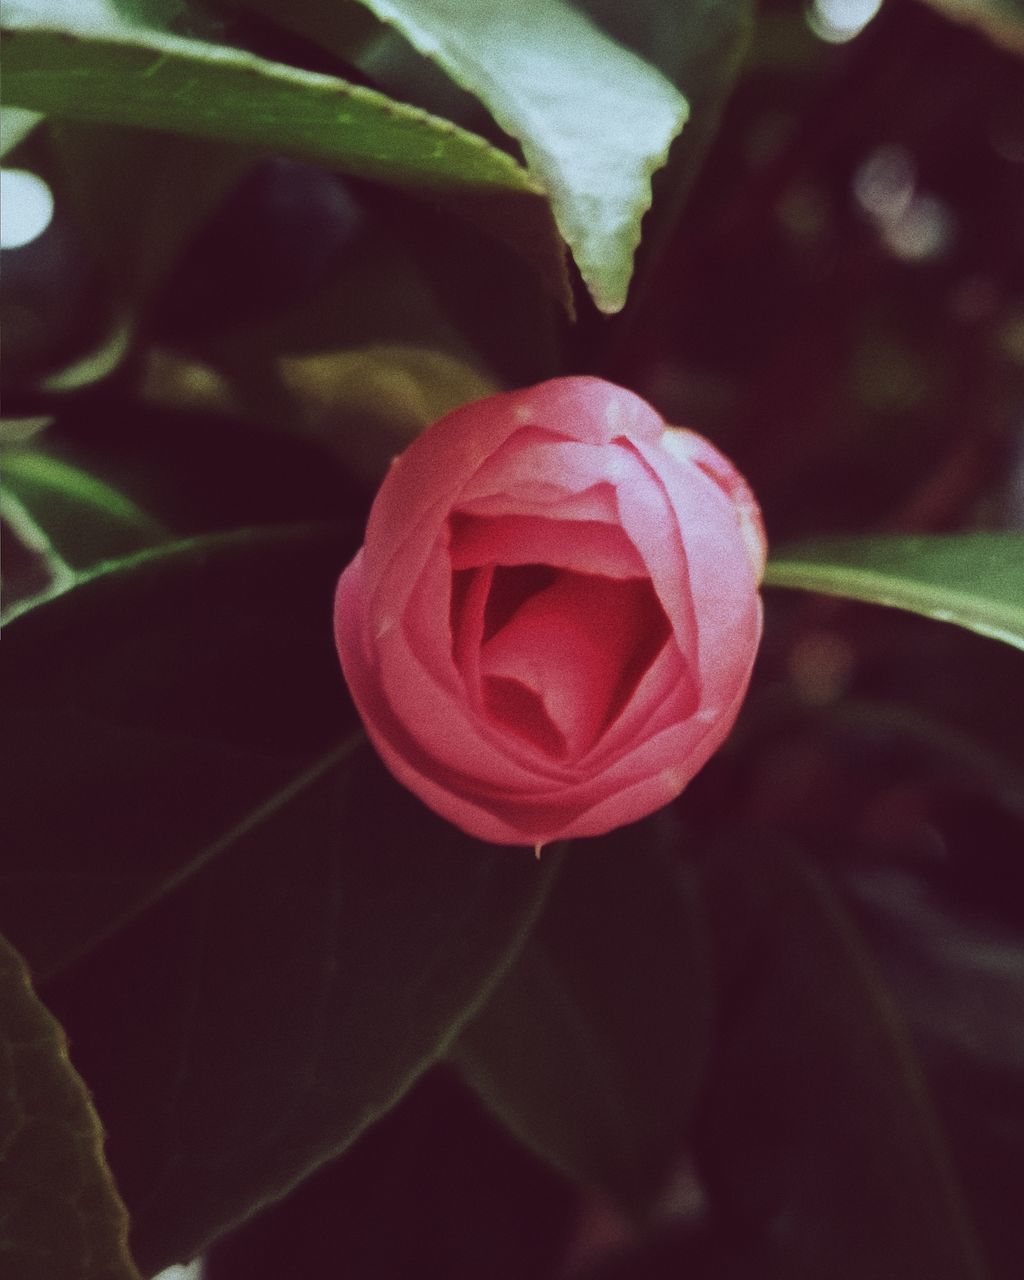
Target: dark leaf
(818,1132)
(249,1026)
(150,711)
(593,1049)
(61,1216)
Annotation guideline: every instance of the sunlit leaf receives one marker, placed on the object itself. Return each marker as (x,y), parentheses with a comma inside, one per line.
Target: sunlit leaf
(594,119)
(72,63)
(699,46)
(61,1217)
(975,580)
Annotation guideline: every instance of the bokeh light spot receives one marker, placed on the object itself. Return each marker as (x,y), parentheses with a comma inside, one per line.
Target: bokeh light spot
(840,20)
(26,207)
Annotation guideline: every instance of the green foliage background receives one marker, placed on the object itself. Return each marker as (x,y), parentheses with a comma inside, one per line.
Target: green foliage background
(776,1030)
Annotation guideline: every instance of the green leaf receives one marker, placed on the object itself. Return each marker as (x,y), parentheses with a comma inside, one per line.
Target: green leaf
(251,1025)
(593,1050)
(698,46)
(1001,20)
(62,1218)
(975,580)
(594,120)
(153,709)
(817,1132)
(369,404)
(15,126)
(84,65)
(520,220)
(83,519)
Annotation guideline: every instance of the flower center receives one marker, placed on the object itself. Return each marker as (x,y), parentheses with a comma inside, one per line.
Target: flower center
(561,652)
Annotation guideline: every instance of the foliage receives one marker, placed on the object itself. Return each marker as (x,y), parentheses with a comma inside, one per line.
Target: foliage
(253,997)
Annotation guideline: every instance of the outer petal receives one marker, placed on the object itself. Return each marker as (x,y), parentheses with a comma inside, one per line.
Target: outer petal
(722,576)
(589,546)
(436,466)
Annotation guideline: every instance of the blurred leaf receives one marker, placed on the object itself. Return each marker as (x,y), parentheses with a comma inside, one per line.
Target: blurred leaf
(62,1218)
(594,120)
(818,1132)
(959,981)
(975,580)
(206,472)
(593,1050)
(692,1251)
(139,228)
(84,519)
(15,126)
(153,711)
(1001,20)
(251,1025)
(88,67)
(368,405)
(343,29)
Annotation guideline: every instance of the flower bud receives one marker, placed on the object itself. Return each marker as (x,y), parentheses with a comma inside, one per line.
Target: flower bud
(552,622)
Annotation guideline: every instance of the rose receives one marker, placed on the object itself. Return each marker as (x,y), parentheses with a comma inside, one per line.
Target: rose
(552,622)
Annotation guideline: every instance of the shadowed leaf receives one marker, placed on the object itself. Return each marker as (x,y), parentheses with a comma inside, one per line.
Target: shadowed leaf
(61,1216)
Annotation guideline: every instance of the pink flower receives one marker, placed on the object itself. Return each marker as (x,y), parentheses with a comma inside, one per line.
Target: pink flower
(551,625)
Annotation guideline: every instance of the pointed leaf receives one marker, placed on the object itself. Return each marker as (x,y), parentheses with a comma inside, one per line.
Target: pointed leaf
(975,580)
(699,47)
(595,121)
(79,66)
(249,1027)
(83,518)
(152,709)
(62,1218)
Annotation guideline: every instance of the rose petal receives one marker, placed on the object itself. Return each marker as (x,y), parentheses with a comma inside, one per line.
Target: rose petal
(722,581)
(438,463)
(579,647)
(649,522)
(596,503)
(691,447)
(588,545)
(666,694)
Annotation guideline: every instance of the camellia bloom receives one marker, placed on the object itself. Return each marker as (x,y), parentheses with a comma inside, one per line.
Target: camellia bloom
(551,625)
